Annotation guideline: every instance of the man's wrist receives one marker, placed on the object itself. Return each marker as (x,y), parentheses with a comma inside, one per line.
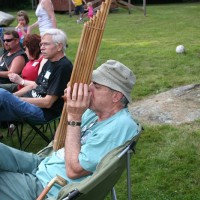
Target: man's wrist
(74,123)
(22,83)
(77,117)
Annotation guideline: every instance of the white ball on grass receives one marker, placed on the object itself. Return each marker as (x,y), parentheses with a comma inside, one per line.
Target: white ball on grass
(180,49)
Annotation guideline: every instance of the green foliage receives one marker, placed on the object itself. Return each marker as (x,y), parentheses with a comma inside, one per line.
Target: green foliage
(15,4)
(166,164)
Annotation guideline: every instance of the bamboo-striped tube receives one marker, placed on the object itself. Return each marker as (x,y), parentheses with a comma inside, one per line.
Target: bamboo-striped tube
(84,62)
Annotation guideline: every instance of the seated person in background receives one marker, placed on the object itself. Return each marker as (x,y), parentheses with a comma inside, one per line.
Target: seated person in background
(43,101)
(22,27)
(30,71)
(98,121)
(14,59)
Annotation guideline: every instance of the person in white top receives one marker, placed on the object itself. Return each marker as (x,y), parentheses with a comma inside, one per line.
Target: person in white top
(46,17)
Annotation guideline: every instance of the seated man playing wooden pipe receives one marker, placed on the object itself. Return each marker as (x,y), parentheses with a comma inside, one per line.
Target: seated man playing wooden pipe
(98,121)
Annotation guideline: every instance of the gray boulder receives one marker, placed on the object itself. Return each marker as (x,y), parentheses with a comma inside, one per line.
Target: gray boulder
(176,106)
(6,19)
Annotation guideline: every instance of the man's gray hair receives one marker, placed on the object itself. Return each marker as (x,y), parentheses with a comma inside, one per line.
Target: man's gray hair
(124,101)
(58,37)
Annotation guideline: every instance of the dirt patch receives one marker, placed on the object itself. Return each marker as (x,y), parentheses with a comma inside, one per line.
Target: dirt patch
(176,106)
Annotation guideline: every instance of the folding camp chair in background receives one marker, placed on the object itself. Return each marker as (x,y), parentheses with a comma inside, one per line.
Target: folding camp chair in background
(108,172)
(26,131)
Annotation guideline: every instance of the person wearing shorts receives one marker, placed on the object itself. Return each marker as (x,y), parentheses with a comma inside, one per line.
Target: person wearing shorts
(79,9)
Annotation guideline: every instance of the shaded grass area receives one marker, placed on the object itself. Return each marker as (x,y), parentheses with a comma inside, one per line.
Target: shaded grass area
(166,163)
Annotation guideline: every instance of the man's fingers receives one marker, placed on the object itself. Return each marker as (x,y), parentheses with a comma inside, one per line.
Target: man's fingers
(78,93)
(68,92)
(74,92)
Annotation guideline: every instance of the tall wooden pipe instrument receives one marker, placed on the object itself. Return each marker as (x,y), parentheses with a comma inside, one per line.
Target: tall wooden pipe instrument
(84,62)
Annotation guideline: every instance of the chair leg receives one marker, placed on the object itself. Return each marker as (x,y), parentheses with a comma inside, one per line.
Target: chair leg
(128,174)
(18,128)
(113,194)
(40,133)
(34,131)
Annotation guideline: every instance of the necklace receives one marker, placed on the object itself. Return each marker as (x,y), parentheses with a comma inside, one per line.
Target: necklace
(85,128)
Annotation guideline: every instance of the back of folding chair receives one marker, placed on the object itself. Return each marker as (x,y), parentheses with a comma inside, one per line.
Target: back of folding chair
(108,172)
(46,151)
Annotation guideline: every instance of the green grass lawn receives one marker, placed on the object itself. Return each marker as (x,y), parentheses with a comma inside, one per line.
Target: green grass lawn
(166,164)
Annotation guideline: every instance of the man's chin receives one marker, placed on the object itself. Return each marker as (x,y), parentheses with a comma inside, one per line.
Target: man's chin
(45,56)
(90,106)
(7,48)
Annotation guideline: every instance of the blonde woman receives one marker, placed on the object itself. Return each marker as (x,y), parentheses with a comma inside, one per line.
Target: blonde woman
(46,17)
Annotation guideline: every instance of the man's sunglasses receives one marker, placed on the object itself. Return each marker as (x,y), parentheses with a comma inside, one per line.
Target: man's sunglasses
(8,40)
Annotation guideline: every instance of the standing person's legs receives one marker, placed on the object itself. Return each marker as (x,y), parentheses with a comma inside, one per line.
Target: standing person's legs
(17,174)
(13,108)
(81,12)
(76,12)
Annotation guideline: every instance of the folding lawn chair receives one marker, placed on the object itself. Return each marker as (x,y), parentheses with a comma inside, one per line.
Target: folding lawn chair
(34,129)
(102,181)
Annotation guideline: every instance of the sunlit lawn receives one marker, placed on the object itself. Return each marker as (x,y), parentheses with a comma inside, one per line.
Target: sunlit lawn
(166,164)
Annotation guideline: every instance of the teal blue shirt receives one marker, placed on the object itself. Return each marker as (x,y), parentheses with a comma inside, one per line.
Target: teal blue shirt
(97,139)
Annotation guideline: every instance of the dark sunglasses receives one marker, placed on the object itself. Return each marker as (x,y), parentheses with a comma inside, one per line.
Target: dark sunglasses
(8,40)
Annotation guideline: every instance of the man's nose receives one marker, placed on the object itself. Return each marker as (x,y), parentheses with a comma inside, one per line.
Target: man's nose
(91,84)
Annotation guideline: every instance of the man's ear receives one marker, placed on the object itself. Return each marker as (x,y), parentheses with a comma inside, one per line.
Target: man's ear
(60,47)
(117,96)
